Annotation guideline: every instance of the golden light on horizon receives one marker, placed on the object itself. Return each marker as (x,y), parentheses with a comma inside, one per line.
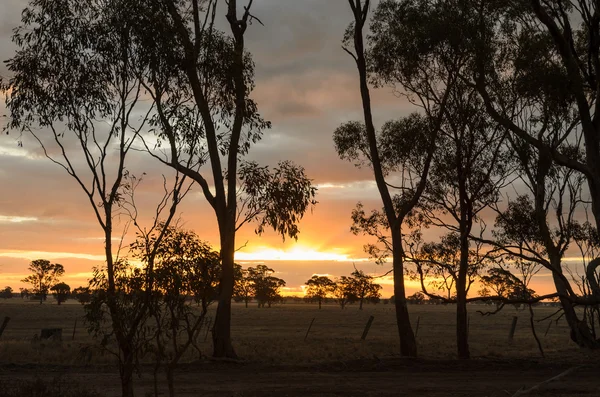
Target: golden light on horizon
(32,255)
(297,253)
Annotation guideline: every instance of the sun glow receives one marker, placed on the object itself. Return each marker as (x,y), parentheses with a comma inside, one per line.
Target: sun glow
(31,255)
(294,254)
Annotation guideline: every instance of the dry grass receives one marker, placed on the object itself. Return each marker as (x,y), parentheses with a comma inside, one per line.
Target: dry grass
(276,335)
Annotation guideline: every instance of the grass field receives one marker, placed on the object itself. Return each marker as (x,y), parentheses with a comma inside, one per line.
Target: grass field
(274,338)
(276,335)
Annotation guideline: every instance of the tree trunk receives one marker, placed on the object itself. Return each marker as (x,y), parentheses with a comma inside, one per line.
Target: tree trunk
(408,343)
(171,380)
(222,346)
(462,338)
(319,304)
(580,332)
(127,377)
(462,319)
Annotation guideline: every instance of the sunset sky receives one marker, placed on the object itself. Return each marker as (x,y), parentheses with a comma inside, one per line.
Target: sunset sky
(305,84)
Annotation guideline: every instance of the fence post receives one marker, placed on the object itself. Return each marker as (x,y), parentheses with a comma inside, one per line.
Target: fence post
(367,327)
(513,327)
(308,330)
(548,329)
(4,324)
(74,329)
(468,324)
(208,324)
(417,327)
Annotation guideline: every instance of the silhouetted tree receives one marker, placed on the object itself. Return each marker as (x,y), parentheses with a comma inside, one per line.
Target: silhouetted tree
(75,87)
(24,292)
(82,294)
(405,146)
(417,298)
(45,274)
(318,288)
(244,287)
(537,79)
(200,80)
(61,292)
(343,292)
(363,287)
(506,284)
(185,267)
(266,286)
(6,293)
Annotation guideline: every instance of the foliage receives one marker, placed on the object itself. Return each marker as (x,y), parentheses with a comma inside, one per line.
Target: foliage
(277,198)
(24,292)
(318,288)
(266,286)
(192,264)
(243,289)
(364,288)
(82,294)
(130,287)
(200,79)
(417,298)
(6,293)
(45,274)
(506,284)
(343,292)
(438,264)
(186,270)
(61,292)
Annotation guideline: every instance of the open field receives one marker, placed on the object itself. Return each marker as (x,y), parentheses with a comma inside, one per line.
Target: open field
(332,361)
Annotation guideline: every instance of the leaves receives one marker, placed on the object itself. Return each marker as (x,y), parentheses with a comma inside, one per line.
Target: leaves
(44,275)
(278,198)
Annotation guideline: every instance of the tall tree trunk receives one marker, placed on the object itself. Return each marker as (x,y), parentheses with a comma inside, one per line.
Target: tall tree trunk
(222,346)
(580,331)
(171,380)
(462,338)
(462,332)
(408,345)
(126,372)
(408,342)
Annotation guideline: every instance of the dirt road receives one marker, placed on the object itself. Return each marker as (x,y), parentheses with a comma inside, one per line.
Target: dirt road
(387,377)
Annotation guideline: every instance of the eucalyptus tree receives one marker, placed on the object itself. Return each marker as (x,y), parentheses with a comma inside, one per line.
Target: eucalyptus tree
(526,87)
(549,50)
(343,292)
(539,228)
(438,264)
(44,275)
(468,173)
(200,79)
(74,88)
(243,289)
(400,154)
(364,287)
(318,288)
(186,273)
(266,286)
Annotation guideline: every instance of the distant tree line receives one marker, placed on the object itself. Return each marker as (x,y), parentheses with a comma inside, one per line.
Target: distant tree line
(358,287)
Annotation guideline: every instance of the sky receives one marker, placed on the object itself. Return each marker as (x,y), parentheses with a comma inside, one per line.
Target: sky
(305,84)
